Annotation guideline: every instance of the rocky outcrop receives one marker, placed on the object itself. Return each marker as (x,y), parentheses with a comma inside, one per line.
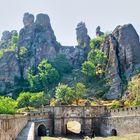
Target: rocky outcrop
(122,48)
(99,32)
(6,38)
(38,37)
(9,70)
(128,49)
(77,55)
(112,68)
(82,37)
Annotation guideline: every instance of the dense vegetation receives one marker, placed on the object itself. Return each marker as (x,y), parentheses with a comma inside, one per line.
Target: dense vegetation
(46,84)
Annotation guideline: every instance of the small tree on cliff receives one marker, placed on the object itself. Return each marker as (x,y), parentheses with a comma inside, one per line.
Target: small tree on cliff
(45,77)
(95,65)
(79,91)
(88,69)
(64,94)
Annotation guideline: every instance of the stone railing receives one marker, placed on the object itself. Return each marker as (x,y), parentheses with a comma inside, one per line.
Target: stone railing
(11,125)
(125,111)
(38,115)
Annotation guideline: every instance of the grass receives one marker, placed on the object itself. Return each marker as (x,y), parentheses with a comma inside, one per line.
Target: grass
(127,137)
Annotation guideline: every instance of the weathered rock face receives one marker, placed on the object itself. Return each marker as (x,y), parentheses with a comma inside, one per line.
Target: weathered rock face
(112,68)
(6,38)
(38,37)
(77,55)
(9,70)
(28,19)
(122,49)
(128,49)
(82,37)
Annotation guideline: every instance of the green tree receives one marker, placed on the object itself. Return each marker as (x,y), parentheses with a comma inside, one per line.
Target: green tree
(27,99)
(95,65)
(61,63)
(79,91)
(45,77)
(24,99)
(89,69)
(96,42)
(64,94)
(133,91)
(97,57)
(37,99)
(7,105)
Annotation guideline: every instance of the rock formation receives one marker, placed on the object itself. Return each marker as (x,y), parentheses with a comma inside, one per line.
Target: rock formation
(98,31)
(37,37)
(9,70)
(7,38)
(77,55)
(122,49)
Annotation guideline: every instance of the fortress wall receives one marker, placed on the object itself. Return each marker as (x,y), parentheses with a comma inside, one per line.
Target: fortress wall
(38,115)
(123,125)
(126,111)
(11,125)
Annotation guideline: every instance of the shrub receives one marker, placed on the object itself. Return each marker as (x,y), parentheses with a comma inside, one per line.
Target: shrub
(64,94)
(7,105)
(116,104)
(27,99)
(44,78)
(96,42)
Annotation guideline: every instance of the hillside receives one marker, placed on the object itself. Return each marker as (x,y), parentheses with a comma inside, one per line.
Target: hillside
(104,64)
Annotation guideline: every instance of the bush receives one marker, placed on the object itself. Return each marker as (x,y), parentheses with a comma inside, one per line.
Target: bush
(44,78)
(7,105)
(133,91)
(64,94)
(27,99)
(116,104)
(96,42)
(88,69)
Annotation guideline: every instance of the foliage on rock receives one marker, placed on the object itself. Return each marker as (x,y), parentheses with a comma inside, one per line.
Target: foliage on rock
(44,77)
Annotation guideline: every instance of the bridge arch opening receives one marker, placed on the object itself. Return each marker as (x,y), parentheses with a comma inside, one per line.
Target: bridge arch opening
(42,130)
(113,132)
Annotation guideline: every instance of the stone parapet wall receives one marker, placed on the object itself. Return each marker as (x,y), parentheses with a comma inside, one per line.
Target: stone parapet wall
(38,115)
(11,125)
(125,111)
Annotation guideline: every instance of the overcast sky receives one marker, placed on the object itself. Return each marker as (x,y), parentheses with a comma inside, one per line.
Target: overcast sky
(66,14)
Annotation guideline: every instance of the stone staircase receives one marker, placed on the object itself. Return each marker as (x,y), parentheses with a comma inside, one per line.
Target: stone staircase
(27,133)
